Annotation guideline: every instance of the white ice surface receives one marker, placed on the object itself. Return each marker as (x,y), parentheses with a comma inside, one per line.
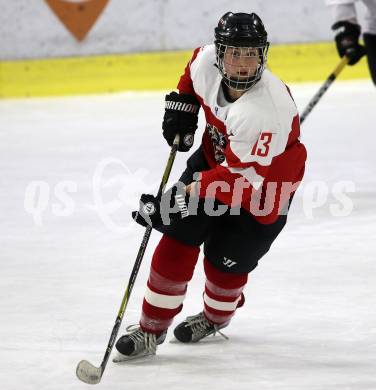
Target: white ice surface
(309,321)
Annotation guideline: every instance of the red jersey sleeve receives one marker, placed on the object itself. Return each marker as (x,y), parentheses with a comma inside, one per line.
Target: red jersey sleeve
(185,84)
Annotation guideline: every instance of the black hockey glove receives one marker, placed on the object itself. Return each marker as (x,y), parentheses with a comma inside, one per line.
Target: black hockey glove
(181,116)
(347,41)
(156,211)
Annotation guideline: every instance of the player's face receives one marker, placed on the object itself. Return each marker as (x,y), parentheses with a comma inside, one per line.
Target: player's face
(241,62)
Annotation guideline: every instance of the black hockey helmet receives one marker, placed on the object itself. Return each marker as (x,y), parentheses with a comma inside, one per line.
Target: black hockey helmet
(241,30)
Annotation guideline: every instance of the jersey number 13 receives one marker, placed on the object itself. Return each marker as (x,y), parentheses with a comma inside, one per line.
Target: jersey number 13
(262,145)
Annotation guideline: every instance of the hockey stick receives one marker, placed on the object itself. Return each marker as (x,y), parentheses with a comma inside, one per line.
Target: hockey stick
(85,371)
(324,88)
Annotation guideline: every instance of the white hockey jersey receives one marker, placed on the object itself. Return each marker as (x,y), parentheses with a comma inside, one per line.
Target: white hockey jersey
(254,139)
(346,10)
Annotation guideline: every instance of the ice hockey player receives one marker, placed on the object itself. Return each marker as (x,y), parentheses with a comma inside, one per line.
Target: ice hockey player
(347,32)
(250,145)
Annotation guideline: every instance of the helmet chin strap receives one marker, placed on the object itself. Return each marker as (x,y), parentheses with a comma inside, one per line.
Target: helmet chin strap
(240,85)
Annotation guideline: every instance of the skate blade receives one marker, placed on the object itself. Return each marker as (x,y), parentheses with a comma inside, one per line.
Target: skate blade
(120,358)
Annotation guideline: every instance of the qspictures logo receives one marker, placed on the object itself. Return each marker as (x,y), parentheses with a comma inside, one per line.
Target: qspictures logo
(78,16)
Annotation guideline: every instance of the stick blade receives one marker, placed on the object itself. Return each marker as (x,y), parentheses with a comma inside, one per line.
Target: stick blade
(88,373)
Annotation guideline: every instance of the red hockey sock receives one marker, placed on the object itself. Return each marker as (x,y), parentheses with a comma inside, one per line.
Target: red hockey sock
(171,269)
(223,293)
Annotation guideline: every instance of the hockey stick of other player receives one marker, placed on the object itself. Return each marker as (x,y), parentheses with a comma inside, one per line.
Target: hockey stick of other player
(324,88)
(85,371)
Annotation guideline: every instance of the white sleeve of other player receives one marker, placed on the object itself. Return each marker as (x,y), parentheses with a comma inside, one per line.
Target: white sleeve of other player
(346,10)
(342,10)
(370,17)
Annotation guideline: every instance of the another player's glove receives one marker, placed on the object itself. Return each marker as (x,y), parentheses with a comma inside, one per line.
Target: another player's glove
(347,41)
(157,211)
(181,116)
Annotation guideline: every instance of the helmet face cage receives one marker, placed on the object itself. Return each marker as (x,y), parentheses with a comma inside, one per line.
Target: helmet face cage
(237,60)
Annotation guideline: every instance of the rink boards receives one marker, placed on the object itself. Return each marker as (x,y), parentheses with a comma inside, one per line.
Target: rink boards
(153,71)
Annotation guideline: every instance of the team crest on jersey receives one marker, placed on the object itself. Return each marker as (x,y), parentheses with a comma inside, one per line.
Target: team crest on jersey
(219,143)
